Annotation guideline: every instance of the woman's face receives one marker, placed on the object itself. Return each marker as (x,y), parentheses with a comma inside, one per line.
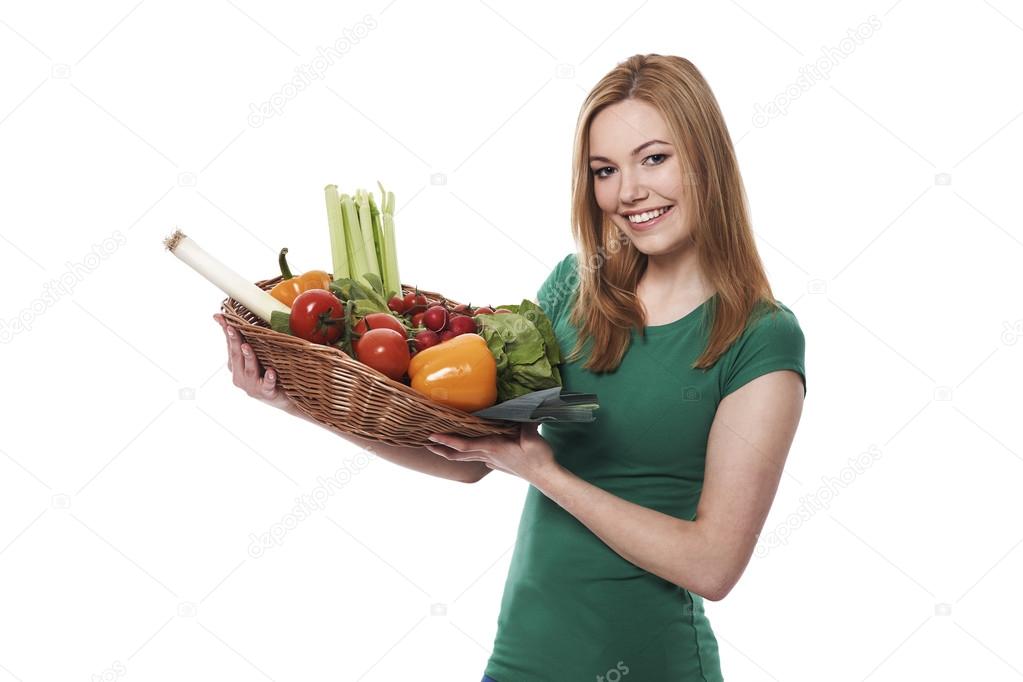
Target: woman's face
(636,170)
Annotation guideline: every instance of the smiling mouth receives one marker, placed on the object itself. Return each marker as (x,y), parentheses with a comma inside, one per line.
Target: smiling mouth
(643,218)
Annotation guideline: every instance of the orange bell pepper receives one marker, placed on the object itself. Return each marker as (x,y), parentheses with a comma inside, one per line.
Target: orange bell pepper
(460,373)
(288,289)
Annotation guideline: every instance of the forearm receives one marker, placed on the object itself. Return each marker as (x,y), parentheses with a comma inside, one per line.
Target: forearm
(671,548)
(416,458)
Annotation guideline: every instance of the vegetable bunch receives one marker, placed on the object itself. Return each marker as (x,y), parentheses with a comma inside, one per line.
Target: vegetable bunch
(465,357)
(362,237)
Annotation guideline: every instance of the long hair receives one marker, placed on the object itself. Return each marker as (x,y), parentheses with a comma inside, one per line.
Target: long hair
(610,267)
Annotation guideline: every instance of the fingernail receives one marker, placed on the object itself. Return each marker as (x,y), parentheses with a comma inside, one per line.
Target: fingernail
(270,375)
(245,349)
(230,332)
(435,440)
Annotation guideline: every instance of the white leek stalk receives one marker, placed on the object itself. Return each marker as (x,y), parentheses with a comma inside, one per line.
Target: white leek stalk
(224,278)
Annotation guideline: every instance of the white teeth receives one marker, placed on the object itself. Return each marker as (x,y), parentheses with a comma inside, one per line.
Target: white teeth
(649,215)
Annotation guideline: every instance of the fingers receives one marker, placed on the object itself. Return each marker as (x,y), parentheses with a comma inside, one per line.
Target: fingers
(268,383)
(245,367)
(251,364)
(234,354)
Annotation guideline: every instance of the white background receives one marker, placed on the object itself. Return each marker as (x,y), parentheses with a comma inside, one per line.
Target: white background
(132,471)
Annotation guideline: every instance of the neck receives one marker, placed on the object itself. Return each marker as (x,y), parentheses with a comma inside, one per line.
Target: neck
(675,276)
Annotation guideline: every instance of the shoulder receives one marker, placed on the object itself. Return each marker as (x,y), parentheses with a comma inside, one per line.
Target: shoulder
(768,320)
(559,285)
(567,265)
(772,340)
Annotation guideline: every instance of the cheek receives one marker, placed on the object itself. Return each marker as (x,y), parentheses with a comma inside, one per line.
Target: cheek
(669,182)
(605,194)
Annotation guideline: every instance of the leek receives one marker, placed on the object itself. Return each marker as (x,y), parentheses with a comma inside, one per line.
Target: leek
(262,304)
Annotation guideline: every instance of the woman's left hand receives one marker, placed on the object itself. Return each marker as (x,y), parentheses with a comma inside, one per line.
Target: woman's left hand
(526,455)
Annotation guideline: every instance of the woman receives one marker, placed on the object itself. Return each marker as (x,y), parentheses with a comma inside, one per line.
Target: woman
(631,521)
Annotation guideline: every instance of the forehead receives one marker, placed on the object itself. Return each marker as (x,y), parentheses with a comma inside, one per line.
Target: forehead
(621,127)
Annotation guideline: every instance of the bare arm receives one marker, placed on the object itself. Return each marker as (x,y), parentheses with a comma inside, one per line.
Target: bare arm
(248,375)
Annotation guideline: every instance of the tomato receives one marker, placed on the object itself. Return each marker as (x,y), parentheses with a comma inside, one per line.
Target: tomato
(484,310)
(379,321)
(500,311)
(318,316)
(417,319)
(385,350)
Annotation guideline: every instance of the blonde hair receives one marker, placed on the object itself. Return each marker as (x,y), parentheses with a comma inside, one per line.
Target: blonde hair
(609,266)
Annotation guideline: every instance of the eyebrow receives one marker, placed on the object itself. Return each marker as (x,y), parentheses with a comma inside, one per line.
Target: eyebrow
(635,151)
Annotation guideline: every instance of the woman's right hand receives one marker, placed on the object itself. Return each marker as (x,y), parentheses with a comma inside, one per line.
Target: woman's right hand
(248,373)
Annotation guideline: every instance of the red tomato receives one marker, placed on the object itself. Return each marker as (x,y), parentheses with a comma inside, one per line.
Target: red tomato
(484,310)
(385,350)
(318,316)
(379,321)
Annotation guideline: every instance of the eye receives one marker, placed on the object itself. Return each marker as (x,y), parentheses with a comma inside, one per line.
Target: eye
(663,158)
(598,172)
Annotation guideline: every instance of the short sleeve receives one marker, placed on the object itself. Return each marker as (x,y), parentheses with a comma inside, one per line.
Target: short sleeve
(772,342)
(555,292)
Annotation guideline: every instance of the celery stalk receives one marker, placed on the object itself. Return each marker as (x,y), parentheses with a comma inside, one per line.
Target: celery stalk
(338,242)
(392,282)
(353,233)
(368,236)
(378,236)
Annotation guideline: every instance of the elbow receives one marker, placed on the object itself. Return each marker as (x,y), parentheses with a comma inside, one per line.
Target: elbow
(717,593)
(720,572)
(476,475)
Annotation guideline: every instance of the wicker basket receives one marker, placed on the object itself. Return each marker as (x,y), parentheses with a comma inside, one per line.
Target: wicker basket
(339,391)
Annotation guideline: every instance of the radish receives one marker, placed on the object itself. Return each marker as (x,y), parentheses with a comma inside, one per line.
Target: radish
(435,318)
(462,324)
(426,339)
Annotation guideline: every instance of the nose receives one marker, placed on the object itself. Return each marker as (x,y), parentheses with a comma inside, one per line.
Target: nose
(631,191)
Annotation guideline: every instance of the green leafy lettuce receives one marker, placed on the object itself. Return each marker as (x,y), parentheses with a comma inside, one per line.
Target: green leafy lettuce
(525,348)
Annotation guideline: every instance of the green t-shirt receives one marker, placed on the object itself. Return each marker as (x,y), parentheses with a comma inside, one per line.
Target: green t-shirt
(573,608)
